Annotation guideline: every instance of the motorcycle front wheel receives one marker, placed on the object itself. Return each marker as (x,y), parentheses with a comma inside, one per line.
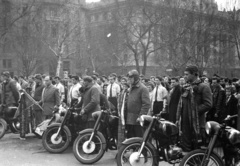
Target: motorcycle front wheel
(128,155)
(54,144)
(89,152)
(3,127)
(196,157)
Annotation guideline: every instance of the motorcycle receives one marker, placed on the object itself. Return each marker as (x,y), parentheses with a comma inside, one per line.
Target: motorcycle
(159,143)
(58,136)
(8,121)
(229,140)
(10,118)
(91,144)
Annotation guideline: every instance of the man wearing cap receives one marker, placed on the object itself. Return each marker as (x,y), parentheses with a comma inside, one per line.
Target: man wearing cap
(138,103)
(9,90)
(195,101)
(90,101)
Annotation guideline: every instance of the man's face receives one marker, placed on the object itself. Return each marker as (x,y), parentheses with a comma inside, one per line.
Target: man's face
(149,88)
(157,81)
(214,82)
(30,79)
(38,80)
(56,80)
(166,79)
(222,81)
(123,81)
(173,83)
(188,76)
(182,81)
(47,81)
(111,80)
(74,81)
(130,80)
(85,84)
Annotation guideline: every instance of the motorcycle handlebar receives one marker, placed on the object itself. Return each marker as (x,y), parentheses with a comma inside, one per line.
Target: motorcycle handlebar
(230,117)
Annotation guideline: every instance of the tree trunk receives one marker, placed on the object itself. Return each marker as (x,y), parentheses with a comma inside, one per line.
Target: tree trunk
(59,66)
(144,69)
(137,62)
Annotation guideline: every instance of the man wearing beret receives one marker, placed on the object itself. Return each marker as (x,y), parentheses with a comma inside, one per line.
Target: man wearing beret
(195,102)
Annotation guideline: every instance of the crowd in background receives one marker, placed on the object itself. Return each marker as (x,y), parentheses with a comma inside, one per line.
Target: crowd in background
(131,95)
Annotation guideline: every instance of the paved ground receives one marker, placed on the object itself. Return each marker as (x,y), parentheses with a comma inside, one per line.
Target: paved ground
(14,152)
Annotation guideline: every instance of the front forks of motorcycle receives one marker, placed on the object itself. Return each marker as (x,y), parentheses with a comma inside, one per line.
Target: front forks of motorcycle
(209,150)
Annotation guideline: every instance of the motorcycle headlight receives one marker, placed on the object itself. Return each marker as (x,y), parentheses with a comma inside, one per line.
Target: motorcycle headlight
(208,128)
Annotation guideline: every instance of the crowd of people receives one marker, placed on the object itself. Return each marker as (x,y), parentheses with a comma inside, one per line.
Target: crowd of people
(188,101)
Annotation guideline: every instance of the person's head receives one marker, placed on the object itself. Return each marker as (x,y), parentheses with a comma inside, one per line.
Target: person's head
(111,79)
(174,82)
(166,79)
(87,80)
(105,88)
(229,91)
(158,80)
(150,86)
(20,78)
(104,78)
(182,81)
(94,77)
(6,75)
(30,79)
(152,78)
(38,78)
(47,81)
(191,73)
(75,79)
(15,78)
(215,81)
(206,80)
(57,79)
(133,77)
(123,80)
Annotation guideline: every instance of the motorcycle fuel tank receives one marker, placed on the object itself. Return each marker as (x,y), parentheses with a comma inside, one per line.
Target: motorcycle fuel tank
(233,135)
(169,128)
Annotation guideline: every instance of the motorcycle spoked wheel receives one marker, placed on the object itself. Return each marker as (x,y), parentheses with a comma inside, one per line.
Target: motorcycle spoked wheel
(53,144)
(3,127)
(128,155)
(89,152)
(196,157)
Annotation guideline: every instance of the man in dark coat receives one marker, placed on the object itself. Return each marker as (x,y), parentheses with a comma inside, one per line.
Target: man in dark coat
(196,100)
(90,101)
(174,97)
(9,90)
(38,96)
(138,104)
(50,98)
(219,97)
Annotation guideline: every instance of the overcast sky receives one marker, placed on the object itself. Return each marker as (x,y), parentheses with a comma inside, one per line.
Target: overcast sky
(221,3)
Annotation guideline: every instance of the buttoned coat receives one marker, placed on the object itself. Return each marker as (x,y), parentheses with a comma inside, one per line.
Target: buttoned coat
(138,103)
(38,95)
(50,98)
(91,101)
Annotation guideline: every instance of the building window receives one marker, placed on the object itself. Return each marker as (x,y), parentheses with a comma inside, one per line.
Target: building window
(7,63)
(54,12)
(92,18)
(54,30)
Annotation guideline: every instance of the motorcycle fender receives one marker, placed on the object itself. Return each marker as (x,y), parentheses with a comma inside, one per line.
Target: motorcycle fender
(85,131)
(65,127)
(132,140)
